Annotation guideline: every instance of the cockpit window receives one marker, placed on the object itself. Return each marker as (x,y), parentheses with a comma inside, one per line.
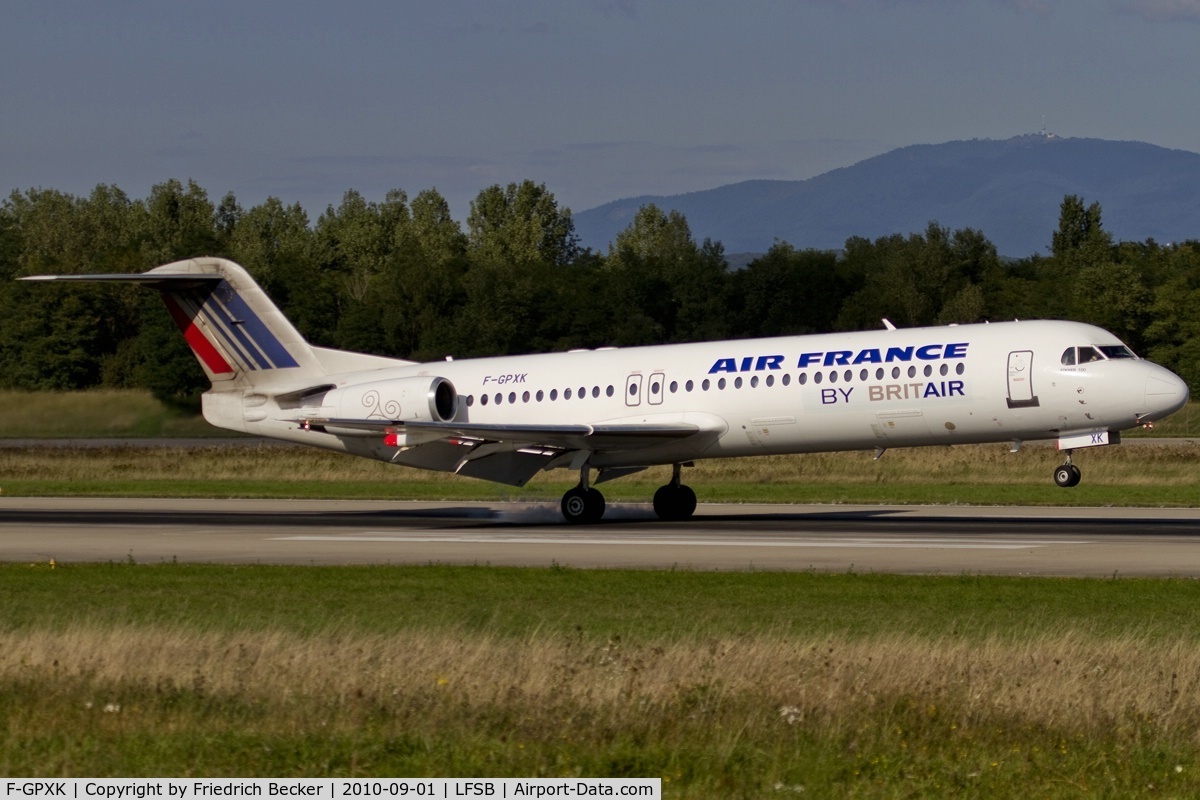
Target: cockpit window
(1116,351)
(1088,353)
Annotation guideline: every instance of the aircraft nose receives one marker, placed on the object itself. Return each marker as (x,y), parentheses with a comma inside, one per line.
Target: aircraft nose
(1166,393)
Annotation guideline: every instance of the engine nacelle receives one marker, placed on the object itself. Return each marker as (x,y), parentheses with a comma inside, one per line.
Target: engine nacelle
(423,399)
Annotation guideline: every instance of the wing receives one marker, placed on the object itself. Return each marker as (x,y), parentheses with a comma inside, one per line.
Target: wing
(513,454)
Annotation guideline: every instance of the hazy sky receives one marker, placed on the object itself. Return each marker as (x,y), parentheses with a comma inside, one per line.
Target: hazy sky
(598,99)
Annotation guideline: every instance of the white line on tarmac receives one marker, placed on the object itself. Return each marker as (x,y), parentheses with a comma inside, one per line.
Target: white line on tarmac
(931,543)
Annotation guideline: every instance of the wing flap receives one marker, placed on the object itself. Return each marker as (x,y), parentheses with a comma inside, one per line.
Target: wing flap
(598,437)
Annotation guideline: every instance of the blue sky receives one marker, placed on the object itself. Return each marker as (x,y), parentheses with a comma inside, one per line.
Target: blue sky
(598,99)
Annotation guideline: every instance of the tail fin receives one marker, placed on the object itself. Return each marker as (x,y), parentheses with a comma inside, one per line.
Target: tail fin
(232,327)
(237,334)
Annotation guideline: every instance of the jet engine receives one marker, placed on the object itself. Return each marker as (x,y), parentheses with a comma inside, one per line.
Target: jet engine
(424,399)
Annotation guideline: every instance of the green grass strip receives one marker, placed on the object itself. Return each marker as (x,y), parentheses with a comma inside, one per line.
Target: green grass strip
(724,685)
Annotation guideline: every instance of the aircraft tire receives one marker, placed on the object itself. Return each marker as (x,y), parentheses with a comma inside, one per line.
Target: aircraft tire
(674,503)
(1067,475)
(581,506)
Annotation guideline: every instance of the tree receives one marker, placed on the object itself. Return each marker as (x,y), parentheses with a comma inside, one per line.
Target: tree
(180,223)
(50,338)
(353,244)
(922,279)
(356,239)
(1172,337)
(229,212)
(520,224)
(1114,297)
(1080,239)
(519,247)
(270,237)
(53,232)
(421,290)
(788,291)
(667,288)
(438,235)
(10,246)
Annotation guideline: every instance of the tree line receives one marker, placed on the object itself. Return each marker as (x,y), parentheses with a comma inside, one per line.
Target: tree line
(402,278)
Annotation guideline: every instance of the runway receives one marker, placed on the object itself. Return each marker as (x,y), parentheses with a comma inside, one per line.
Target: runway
(893,539)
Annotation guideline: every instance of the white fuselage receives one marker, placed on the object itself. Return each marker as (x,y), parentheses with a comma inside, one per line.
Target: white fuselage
(796,394)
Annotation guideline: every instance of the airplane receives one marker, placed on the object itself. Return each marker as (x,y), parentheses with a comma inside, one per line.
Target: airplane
(615,411)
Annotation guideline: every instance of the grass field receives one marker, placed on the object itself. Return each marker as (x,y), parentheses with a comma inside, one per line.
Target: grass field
(724,685)
(1131,475)
(98,413)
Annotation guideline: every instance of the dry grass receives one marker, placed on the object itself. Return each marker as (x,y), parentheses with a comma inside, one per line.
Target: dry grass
(1141,464)
(266,463)
(1130,464)
(1067,683)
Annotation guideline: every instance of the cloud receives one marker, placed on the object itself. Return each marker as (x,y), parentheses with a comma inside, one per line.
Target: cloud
(1035,6)
(627,8)
(1166,10)
(1041,7)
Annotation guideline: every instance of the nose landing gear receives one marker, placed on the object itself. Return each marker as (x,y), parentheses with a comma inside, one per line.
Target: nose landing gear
(1067,475)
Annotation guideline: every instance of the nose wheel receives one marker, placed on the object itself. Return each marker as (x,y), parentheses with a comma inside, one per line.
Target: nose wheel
(1067,475)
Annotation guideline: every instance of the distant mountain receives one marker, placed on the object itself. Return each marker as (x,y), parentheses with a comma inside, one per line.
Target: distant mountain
(1009,190)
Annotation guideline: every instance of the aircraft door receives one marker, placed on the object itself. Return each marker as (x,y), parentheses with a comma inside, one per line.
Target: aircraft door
(633,390)
(654,392)
(1020,380)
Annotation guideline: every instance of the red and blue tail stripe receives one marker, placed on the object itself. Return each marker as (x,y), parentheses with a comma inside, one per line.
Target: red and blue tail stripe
(223,330)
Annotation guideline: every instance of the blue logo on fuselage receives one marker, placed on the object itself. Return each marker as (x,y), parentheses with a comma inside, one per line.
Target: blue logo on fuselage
(845,358)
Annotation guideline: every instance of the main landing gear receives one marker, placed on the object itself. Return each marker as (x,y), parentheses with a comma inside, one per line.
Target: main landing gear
(584,504)
(674,501)
(1067,475)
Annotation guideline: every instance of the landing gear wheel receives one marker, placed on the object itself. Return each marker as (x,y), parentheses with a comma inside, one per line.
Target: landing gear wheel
(1067,475)
(581,506)
(674,503)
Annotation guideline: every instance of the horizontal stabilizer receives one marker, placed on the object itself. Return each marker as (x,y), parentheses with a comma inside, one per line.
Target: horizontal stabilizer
(151,279)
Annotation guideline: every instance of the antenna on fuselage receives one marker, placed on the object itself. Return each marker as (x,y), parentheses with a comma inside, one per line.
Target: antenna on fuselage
(887,323)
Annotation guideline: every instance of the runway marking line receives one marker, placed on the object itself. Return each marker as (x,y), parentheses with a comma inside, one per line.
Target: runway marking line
(900,543)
